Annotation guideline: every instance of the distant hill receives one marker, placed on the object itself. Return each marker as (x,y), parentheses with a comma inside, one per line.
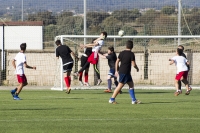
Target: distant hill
(97,5)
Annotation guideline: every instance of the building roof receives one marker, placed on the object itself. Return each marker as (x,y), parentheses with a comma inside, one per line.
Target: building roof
(24,23)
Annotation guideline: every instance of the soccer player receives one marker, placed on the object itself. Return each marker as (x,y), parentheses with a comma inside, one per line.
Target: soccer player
(65,53)
(127,58)
(111,56)
(94,57)
(19,62)
(179,82)
(84,57)
(182,71)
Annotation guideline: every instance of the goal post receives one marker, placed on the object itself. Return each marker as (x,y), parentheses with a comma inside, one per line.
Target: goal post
(151,53)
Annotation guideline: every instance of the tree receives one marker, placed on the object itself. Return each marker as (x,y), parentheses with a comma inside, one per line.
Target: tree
(111,25)
(165,25)
(193,22)
(194,10)
(95,18)
(50,32)
(126,15)
(168,10)
(129,30)
(149,17)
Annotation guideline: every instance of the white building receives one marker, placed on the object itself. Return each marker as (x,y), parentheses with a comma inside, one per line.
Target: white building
(16,33)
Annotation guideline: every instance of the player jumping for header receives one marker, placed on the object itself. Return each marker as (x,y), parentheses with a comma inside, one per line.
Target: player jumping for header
(94,57)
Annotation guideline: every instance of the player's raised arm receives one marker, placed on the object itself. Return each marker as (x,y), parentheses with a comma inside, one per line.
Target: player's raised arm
(75,56)
(90,45)
(102,56)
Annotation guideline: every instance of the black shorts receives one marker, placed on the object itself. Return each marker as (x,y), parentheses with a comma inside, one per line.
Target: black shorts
(125,78)
(68,67)
(83,61)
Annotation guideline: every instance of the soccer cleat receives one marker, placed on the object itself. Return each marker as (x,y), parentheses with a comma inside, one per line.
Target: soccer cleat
(68,90)
(180,91)
(136,102)
(99,81)
(108,91)
(188,91)
(16,98)
(176,93)
(87,84)
(81,83)
(12,93)
(112,102)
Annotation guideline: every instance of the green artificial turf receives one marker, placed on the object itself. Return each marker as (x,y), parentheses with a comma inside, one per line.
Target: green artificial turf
(88,111)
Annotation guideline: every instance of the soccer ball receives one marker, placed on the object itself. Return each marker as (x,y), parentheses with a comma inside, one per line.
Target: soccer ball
(121,33)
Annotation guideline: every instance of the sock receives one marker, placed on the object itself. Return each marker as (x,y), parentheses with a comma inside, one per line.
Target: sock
(109,84)
(116,83)
(67,81)
(14,90)
(16,94)
(80,76)
(132,94)
(86,77)
(112,99)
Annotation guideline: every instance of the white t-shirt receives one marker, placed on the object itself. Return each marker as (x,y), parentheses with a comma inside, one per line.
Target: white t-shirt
(20,59)
(98,47)
(180,62)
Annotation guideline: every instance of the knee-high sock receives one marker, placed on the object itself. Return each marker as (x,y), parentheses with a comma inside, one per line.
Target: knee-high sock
(109,84)
(80,76)
(97,71)
(132,94)
(86,77)
(67,81)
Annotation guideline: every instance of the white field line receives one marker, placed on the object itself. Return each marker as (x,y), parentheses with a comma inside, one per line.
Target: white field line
(100,119)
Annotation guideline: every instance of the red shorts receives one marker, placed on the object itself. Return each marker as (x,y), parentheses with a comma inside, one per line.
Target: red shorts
(21,78)
(92,59)
(183,74)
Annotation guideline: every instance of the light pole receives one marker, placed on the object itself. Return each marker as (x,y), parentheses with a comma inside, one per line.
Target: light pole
(22,10)
(179,21)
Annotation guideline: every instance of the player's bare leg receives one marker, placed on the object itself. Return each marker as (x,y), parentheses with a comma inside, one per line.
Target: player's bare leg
(115,93)
(177,88)
(188,89)
(119,87)
(19,88)
(132,93)
(86,77)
